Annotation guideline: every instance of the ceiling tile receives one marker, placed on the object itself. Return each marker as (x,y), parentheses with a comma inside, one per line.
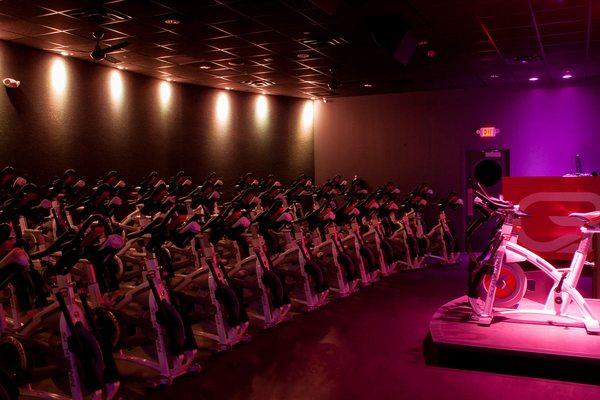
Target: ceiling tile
(22,27)
(268,36)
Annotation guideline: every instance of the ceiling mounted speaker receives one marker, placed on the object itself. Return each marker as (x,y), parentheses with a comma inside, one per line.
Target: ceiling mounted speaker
(391,33)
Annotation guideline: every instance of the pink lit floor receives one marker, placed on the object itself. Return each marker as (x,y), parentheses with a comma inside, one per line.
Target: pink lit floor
(371,346)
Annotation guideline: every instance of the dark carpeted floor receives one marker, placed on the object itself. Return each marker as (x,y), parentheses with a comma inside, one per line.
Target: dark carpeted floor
(363,347)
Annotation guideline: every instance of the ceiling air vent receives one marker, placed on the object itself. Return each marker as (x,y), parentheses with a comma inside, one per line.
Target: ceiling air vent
(98,15)
(259,83)
(320,41)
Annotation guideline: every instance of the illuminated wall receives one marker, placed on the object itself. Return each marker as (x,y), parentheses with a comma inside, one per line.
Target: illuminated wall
(422,137)
(73,114)
(413,137)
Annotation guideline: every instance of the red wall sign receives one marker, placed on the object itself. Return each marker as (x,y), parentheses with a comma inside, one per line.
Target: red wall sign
(550,232)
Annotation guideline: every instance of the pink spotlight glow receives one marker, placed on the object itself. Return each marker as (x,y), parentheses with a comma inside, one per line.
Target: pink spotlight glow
(567,76)
(533,79)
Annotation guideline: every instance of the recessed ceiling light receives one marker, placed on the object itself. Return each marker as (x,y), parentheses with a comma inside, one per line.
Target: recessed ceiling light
(268,59)
(258,83)
(303,56)
(533,79)
(494,76)
(64,53)
(227,88)
(205,66)
(172,21)
(367,85)
(423,42)
(567,75)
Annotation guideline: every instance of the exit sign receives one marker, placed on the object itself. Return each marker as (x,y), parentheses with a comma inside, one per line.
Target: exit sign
(488,131)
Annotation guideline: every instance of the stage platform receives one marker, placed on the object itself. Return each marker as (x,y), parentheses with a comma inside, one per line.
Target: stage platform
(451,328)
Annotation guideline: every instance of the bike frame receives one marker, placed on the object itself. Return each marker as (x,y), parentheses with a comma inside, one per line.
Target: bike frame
(563,290)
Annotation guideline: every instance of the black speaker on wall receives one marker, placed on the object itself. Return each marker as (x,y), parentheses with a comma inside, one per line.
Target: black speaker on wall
(391,33)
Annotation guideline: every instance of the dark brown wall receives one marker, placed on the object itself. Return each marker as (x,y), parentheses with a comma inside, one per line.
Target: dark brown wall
(43,133)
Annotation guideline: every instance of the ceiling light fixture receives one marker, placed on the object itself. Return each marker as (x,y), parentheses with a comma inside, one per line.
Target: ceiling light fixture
(268,59)
(205,66)
(258,83)
(534,79)
(64,53)
(367,85)
(303,56)
(494,76)
(567,75)
(172,21)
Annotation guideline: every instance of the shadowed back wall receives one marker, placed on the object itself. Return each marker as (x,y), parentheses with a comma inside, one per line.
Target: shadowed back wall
(68,113)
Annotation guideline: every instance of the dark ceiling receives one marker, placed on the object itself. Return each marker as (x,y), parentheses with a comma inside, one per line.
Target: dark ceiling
(293,44)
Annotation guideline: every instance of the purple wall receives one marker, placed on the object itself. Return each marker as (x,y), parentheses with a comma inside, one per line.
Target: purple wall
(423,136)
(416,137)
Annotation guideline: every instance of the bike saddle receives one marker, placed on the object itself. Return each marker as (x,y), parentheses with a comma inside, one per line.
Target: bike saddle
(592,217)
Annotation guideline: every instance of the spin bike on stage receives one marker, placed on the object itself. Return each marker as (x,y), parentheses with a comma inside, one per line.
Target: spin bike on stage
(498,284)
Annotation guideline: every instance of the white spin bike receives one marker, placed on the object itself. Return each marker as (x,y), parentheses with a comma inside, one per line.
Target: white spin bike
(498,284)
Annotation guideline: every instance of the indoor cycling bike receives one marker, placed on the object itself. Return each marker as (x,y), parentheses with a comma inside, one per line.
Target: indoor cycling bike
(498,284)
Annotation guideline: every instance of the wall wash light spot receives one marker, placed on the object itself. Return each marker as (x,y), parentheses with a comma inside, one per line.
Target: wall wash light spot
(307,114)
(165,92)
(116,86)
(306,119)
(262,108)
(58,76)
(222,110)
